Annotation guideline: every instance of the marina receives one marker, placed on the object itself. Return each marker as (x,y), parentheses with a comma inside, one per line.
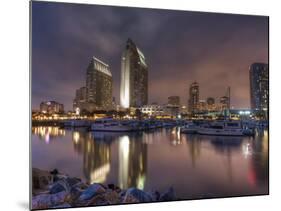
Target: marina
(207,127)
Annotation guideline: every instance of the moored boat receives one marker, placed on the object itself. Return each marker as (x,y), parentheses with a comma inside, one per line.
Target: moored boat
(76,123)
(225,128)
(112,125)
(189,128)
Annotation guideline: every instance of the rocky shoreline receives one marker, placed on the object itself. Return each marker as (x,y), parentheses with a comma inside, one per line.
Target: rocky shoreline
(57,190)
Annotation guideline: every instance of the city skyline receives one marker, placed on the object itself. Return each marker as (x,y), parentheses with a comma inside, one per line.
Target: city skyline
(181,55)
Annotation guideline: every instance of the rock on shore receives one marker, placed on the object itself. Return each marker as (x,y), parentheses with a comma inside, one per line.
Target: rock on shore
(55,190)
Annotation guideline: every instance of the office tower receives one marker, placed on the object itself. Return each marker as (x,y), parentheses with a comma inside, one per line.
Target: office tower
(193,97)
(259,89)
(134,77)
(202,106)
(80,98)
(174,101)
(98,86)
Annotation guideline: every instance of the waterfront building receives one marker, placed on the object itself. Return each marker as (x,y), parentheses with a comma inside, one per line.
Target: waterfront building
(152,110)
(51,107)
(210,101)
(98,86)
(173,106)
(79,102)
(193,97)
(259,89)
(134,77)
(224,103)
(174,101)
(211,104)
(202,106)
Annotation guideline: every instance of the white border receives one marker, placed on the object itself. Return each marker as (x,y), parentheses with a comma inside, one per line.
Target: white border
(15,102)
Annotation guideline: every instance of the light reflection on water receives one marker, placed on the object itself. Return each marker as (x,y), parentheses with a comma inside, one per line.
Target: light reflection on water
(196,166)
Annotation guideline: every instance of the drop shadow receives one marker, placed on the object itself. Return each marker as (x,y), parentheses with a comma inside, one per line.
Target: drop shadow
(23,205)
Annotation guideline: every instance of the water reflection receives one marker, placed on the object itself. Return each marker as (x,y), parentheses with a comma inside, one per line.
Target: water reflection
(258,173)
(132,162)
(175,136)
(124,158)
(96,155)
(96,150)
(194,147)
(48,133)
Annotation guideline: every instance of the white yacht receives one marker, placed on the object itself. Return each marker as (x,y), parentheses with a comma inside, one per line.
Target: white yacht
(224,128)
(112,125)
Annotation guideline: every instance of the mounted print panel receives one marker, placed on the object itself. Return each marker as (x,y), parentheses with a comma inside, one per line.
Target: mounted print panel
(138,105)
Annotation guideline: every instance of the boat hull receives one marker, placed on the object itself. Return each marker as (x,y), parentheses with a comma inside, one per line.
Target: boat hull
(221,132)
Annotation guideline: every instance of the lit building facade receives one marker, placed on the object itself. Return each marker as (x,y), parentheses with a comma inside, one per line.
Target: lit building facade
(202,106)
(98,86)
(134,77)
(51,107)
(259,89)
(152,110)
(193,97)
(224,102)
(210,101)
(211,104)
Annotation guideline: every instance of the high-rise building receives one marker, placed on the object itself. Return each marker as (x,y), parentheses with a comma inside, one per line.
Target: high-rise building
(173,106)
(134,77)
(98,86)
(225,100)
(174,101)
(259,88)
(193,97)
(51,107)
(211,106)
(202,106)
(80,98)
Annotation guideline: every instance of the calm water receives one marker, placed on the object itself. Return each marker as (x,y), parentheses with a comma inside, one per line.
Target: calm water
(195,165)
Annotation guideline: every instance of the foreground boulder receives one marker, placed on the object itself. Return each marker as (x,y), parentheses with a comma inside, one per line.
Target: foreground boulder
(169,195)
(155,195)
(57,190)
(64,205)
(134,195)
(92,191)
(64,184)
(44,201)
(41,179)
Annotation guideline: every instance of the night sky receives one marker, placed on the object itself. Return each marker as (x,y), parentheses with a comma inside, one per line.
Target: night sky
(180,47)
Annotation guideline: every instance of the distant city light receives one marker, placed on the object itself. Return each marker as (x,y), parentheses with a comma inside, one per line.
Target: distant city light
(244,112)
(77,111)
